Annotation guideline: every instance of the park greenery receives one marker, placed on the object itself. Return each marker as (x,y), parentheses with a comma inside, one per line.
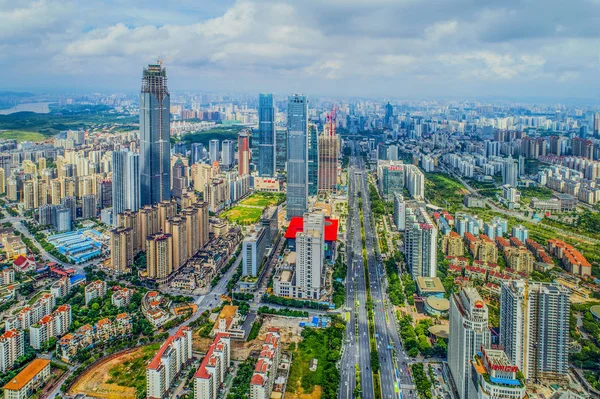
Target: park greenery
(395,289)
(217,133)
(37,126)
(340,270)
(588,357)
(282,312)
(240,388)
(324,345)
(421,380)
(445,191)
(255,329)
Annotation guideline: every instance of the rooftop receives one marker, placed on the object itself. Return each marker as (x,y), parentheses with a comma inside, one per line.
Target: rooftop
(297,225)
(27,374)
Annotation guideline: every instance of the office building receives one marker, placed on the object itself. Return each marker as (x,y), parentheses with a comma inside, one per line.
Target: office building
(227,154)
(155,136)
(313,160)
(390,178)
(196,153)
(469,332)
(253,251)
(420,243)
(280,149)
(534,329)
(329,152)
(125,182)
(213,369)
(266,136)
(297,156)
(167,364)
(243,153)
(213,151)
(310,246)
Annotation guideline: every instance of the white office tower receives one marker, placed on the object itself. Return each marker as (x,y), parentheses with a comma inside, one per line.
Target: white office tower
(420,243)
(534,328)
(399,211)
(469,332)
(310,246)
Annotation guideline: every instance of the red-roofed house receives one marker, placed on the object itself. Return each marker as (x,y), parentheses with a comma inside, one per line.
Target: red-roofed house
(23,264)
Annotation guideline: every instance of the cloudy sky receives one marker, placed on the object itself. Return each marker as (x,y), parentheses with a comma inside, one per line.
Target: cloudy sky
(396,48)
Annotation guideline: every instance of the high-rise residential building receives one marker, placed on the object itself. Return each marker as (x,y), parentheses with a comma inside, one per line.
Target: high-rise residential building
(534,328)
(399,211)
(297,156)
(89,207)
(12,347)
(510,172)
(313,159)
(521,232)
(148,223)
(420,242)
(2,181)
(196,153)
(265,372)
(329,152)
(70,203)
(121,249)
(63,219)
(213,151)
(243,153)
(176,226)
(469,332)
(192,227)
(253,251)
(155,136)
(213,369)
(202,223)
(415,182)
(159,255)
(167,364)
(179,179)
(129,219)
(310,247)
(227,154)
(125,182)
(266,135)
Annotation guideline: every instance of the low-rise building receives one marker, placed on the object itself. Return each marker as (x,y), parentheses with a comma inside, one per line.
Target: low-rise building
(95,289)
(7,276)
(494,376)
(121,297)
(29,380)
(228,321)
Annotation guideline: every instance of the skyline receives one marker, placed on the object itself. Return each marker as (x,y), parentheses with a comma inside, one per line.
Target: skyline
(385,48)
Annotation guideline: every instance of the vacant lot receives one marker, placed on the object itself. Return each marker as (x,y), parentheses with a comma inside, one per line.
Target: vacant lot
(20,135)
(120,377)
(444,191)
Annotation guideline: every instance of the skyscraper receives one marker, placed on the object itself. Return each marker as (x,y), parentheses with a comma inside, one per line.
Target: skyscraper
(510,172)
(197,153)
(227,154)
(297,156)
(280,149)
(420,242)
(389,115)
(243,153)
(266,135)
(213,151)
(155,136)
(125,182)
(313,160)
(534,328)
(329,150)
(469,332)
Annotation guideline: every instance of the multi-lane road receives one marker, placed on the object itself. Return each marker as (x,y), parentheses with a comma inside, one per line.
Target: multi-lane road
(395,382)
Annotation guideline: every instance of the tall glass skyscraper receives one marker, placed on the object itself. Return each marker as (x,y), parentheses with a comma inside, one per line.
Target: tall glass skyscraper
(197,153)
(228,153)
(126,182)
(297,156)
(266,135)
(213,151)
(155,136)
(313,160)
